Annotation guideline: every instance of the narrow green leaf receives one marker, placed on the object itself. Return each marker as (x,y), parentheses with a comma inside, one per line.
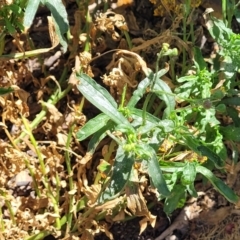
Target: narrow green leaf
(205,151)
(137,114)
(175,200)
(191,189)
(60,17)
(4,91)
(199,58)
(188,78)
(164,92)
(99,136)
(30,12)
(59,13)
(100,98)
(15,8)
(191,142)
(139,92)
(231,101)
(155,173)
(233,113)
(189,174)
(92,126)
(160,88)
(188,177)
(227,192)
(121,172)
(231,133)
(197,146)
(9,26)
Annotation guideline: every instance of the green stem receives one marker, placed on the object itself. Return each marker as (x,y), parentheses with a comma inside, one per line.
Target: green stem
(2,227)
(172,69)
(192,29)
(44,172)
(32,173)
(145,104)
(39,236)
(123,97)
(224,11)
(11,213)
(8,204)
(87,47)
(37,150)
(184,36)
(2,43)
(159,108)
(70,179)
(56,96)
(128,39)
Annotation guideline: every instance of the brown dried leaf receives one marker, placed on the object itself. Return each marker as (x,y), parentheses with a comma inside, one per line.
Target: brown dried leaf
(120,216)
(137,204)
(92,193)
(86,158)
(106,22)
(124,67)
(61,139)
(55,114)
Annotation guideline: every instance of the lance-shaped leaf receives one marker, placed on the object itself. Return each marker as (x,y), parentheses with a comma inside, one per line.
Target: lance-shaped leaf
(92,126)
(226,191)
(30,12)
(155,172)
(212,156)
(121,172)
(99,136)
(231,133)
(139,92)
(163,91)
(60,17)
(4,91)
(100,98)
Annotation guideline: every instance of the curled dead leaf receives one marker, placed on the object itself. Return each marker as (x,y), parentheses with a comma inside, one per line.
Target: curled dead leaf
(137,205)
(55,114)
(106,22)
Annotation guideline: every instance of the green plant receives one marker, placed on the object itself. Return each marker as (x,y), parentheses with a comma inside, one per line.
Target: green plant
(139,139)
(11,15)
